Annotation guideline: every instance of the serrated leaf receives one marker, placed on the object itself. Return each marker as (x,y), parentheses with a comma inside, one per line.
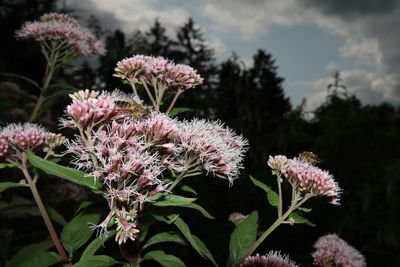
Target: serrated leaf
(67,173)
(273,197)
(98,242)
(242,238)
(77,232)
(166,260)
(165,237)
(195,242)
(298,218)
(6,185)
(24,256)
(98,261)
(176,111)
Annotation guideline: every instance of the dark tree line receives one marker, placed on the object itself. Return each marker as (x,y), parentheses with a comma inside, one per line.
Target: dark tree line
(358,143)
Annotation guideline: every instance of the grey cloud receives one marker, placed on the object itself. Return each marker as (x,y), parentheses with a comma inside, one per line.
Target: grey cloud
(352,8)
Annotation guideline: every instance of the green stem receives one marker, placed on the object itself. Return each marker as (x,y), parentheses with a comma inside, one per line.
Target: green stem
(295,204)
(279,180)
(44,213)
(48,75)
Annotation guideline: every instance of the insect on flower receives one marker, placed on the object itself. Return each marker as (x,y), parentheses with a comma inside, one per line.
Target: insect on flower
(134,109)
(310,157)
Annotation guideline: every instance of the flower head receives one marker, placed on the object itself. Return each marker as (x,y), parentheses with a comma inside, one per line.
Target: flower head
(65,31)
(15,139)
(89,108)
(311,179)
(157,70)
(330,249)
(272,259)
(276,163)
(218,149)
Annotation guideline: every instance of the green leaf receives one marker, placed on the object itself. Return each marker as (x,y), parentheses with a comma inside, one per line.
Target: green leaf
(168,219)
(7,165)
(164,259)
(188,189)
(98,242)
(25,256)
(242,238)
(67,173)
(26,79)
(165,237)
(6,185)
(297,217)
(55,216)
(195,242)
(176,111)
(204,250)
(98,261)
(180,201)
(84,204)
(198,208)
(304,209)
(173,200)
(273,198)
(77,232)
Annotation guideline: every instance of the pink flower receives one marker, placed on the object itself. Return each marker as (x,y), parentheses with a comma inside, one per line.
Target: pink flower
(157,70)
(89,108)
(15,139)
(276,163)
(311,179)
(330,249)
(272,259)
(219,150)
(65,31)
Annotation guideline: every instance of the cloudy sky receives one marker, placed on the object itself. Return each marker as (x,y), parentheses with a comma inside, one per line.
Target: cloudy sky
(308,38)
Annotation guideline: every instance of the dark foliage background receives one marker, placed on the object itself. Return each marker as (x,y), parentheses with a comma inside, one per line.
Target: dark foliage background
(359,144)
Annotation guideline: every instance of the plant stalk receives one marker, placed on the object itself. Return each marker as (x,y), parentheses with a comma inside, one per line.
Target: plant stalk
(44,213)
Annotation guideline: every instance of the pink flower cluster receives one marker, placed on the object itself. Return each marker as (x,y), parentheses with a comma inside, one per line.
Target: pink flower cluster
(15,139)
(157,70)
(219,150)
(63,30)
(307,177)
(127,146)
(272,259)
(88,107)
(330,249)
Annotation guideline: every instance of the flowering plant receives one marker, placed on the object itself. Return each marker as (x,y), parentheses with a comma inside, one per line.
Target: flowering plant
(135,157)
